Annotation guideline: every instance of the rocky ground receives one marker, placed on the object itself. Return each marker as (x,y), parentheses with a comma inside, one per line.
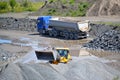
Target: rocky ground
(19,39)
(110,40)
(23,62)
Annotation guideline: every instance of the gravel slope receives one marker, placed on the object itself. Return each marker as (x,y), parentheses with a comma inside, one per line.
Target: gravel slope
(84,68)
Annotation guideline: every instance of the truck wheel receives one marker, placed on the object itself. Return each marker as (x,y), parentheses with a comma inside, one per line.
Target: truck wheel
(71,36)
(40,32)
(66,35)
(55,33)
(50,33)
(75,36)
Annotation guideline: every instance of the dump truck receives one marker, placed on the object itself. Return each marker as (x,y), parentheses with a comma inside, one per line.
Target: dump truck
(54,56)
(55,27)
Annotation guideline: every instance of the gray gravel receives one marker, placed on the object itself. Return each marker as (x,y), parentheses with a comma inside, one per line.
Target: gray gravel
(86,69)
(98,29)
(4,55)
(107,41)
(22,24)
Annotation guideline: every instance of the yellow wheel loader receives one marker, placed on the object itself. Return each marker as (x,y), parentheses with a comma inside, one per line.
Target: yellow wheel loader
(55,55)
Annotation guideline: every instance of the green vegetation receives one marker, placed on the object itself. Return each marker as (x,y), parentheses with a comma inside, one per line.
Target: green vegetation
(116,78)
(51,12)
(51,1)
(13,6)
(69,8)
(56,8)
(4,7)
(81,11)
(72,2)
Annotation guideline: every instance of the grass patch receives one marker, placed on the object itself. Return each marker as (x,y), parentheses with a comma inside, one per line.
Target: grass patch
(20,7)
(36,5)
(30,7)
(4,7)
(66,8)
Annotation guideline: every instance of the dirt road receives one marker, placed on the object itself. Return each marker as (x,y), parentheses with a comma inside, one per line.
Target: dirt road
(41,41)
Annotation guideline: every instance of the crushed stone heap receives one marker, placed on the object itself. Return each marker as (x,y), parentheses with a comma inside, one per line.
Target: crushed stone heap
(106,41)
(21,24)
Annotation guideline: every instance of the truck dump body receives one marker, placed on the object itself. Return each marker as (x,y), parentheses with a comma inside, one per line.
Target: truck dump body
(70,26)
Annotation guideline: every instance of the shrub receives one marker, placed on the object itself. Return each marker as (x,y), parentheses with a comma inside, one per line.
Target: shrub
(72,2)
(83,6)
(26,3)
(12,4)
(51,1)
(18,8)
(51,11)
(3,5)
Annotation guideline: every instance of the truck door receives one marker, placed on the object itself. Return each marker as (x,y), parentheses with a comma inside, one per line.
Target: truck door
(39,23)
(43,22)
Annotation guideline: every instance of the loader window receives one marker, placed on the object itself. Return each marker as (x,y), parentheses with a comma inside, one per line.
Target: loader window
(63,52)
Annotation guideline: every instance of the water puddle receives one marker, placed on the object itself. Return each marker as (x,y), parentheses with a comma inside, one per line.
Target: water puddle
(5,41)
(24,39)
(30,56)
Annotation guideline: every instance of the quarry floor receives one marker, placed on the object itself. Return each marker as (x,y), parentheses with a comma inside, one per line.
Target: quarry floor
(85,64)
(23,44)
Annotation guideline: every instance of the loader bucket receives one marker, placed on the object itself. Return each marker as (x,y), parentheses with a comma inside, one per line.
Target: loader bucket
(44,55)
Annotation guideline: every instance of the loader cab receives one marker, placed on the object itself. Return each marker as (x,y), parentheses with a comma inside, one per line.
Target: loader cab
(63,52)
(43,23)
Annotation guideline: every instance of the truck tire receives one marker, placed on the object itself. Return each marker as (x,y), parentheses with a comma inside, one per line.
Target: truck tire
(75,36)
(50,33)
(55,33)
(71,35)
(66,35)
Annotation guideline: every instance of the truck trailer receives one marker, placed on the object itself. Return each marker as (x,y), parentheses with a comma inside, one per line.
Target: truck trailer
(54,27)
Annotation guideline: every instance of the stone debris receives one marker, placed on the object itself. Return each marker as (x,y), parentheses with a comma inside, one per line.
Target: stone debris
(107,41)
(22,24)
(4,55)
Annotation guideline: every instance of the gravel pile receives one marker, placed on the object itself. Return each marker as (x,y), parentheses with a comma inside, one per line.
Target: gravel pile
(98,29)
(86,69)
(106,41)
(22,24)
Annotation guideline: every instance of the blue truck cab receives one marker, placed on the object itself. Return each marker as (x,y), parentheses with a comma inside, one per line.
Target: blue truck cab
(43,23)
